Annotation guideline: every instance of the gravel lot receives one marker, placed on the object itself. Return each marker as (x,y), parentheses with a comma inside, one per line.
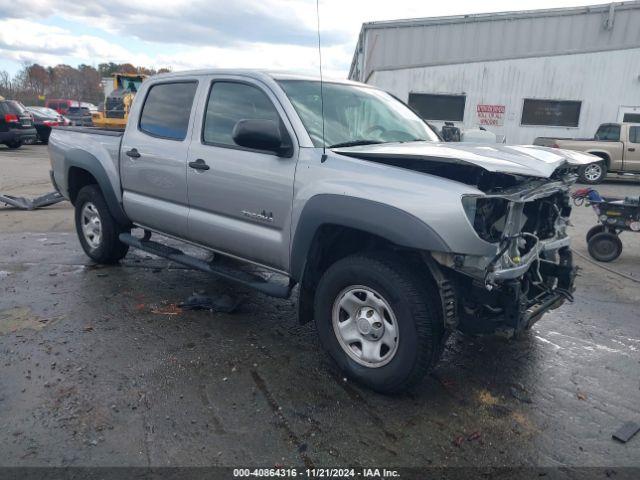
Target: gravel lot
(97,367)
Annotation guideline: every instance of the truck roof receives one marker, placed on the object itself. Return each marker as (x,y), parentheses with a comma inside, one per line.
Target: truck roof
(254,73)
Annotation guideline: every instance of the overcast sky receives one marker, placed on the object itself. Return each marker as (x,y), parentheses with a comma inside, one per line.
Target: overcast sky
(183,34)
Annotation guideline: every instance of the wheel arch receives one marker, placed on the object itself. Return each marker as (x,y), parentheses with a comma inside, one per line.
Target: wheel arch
(603,155)
(332,227)
(84,169)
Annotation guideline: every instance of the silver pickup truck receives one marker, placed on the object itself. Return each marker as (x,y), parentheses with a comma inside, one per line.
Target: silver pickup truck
(393,238)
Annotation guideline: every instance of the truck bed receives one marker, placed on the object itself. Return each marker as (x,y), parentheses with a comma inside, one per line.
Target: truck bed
(99,146)
(111,132)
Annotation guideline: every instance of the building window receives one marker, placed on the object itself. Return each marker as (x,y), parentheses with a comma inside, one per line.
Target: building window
(438,107)
(551,113)
(631,118)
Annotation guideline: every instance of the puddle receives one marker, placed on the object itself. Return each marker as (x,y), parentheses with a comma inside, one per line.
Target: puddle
(21,318)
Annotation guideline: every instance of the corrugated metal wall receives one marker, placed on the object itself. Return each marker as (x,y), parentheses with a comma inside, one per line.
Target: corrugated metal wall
(603,81)
(487,37)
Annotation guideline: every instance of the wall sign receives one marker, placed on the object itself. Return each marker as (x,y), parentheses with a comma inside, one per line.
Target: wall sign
(492,115)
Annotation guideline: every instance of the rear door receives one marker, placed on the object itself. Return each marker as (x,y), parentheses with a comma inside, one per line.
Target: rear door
(153,157)
(241,205)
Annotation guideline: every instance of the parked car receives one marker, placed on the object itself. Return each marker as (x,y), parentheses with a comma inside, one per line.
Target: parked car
(61,105)
(394,238)
(16,124)
(617,145)
(80,116)
(43,120)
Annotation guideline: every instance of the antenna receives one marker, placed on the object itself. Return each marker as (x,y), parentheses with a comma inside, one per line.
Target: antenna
(324,147)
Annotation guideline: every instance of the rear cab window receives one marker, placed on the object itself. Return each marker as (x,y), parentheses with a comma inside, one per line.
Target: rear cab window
(608,133)
(167,109)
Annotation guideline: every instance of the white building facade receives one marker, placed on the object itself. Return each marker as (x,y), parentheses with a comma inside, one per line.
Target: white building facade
(558,72)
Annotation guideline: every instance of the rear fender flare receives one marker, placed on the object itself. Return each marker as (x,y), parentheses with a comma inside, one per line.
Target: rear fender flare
(89,163)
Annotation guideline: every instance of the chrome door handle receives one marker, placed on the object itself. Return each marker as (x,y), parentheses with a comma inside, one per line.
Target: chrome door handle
(199,164)
(133,153)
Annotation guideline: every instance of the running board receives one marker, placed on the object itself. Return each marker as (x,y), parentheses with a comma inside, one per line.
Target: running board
(272,289)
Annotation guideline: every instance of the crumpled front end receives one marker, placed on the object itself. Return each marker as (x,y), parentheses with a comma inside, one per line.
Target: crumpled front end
(532,269)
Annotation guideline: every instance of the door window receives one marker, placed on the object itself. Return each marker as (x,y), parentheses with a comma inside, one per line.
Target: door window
(229,103)
(634,134)
(167,109)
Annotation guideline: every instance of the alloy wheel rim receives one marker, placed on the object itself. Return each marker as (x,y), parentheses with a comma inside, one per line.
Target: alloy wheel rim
(593,172)
(91,225)
(365,326)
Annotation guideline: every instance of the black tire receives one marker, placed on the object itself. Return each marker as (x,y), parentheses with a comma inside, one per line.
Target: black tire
(586,173)
(14,144)
(605,247)
(108,249)
(595,230)
(419,322)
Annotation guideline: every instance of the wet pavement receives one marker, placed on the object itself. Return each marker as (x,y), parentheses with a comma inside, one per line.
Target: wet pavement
(99,367)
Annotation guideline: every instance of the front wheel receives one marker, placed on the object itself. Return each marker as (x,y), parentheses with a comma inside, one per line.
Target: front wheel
(14,144)
(593,173)
(378,320)
(97,230)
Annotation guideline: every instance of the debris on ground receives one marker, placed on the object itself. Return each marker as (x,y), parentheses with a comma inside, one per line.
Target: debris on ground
(219,303)
(171,309)
(626,432)
(31,204)
(519,393)
(474,436)
(458,441)
(581,396)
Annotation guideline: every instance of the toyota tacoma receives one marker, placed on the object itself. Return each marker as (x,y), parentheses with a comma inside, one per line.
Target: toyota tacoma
(390,238)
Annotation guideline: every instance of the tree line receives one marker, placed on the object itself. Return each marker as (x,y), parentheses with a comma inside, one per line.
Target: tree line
(34,83)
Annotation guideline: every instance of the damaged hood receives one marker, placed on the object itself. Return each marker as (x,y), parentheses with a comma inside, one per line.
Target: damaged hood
(527,160)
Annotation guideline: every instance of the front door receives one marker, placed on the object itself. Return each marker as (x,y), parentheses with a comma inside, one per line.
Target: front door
(153,158)
(240,204)
(632,150)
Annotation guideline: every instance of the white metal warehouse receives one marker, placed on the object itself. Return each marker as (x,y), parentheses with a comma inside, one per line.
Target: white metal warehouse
(557,72)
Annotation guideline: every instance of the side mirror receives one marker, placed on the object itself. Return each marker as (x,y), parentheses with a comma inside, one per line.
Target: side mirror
(261,135)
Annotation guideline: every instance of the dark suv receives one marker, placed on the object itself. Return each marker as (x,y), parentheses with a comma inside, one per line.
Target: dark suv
(16,124)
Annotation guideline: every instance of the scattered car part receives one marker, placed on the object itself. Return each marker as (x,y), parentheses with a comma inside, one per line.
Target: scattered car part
(626,432)
(31,204)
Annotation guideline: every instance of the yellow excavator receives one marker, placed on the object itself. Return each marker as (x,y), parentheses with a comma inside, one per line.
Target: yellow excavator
(118,102)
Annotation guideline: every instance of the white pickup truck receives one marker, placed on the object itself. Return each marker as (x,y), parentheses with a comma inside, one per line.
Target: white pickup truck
(394,238)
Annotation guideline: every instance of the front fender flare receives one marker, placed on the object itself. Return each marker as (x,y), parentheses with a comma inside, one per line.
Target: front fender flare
(386,221)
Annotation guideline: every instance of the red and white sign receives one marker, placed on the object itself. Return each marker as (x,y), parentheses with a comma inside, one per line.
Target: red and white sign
(492,115)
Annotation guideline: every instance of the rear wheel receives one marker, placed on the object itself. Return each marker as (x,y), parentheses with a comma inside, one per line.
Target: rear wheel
(605,247)
(13,144)
(378,321)
(97,230)
(593,173)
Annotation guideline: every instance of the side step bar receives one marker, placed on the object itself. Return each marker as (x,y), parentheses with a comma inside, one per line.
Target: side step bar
(272,289)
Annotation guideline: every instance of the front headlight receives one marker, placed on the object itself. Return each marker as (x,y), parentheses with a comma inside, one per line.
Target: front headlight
(470,203)
(486,215)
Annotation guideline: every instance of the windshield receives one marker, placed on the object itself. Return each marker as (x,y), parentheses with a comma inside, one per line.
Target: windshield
(354,115)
